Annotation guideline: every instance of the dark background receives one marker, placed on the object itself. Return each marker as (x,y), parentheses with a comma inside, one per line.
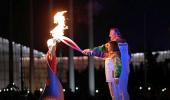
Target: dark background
(145,24)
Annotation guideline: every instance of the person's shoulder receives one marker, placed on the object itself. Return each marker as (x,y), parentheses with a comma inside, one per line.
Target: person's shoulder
(122,42)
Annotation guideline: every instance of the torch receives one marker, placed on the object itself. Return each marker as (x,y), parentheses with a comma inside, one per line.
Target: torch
(58,33)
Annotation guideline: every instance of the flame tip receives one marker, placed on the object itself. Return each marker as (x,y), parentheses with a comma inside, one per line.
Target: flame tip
(59,19)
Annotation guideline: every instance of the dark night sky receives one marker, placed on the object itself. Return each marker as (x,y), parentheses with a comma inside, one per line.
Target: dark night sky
(145,24)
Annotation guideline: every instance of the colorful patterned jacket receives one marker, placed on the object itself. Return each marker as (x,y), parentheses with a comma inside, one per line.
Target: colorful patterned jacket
(102,51)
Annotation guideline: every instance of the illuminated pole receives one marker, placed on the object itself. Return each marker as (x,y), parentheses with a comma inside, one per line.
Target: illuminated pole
(10,42)
(71,53)
(22,81)
(91,62)
(31,47)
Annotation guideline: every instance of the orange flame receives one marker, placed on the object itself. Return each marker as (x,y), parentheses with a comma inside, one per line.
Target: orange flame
(59,29)
(58,32)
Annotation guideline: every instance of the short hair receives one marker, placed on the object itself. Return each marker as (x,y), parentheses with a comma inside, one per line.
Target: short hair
(116,30)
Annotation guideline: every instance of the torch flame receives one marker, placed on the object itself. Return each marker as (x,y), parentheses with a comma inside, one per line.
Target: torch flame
(58,31)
